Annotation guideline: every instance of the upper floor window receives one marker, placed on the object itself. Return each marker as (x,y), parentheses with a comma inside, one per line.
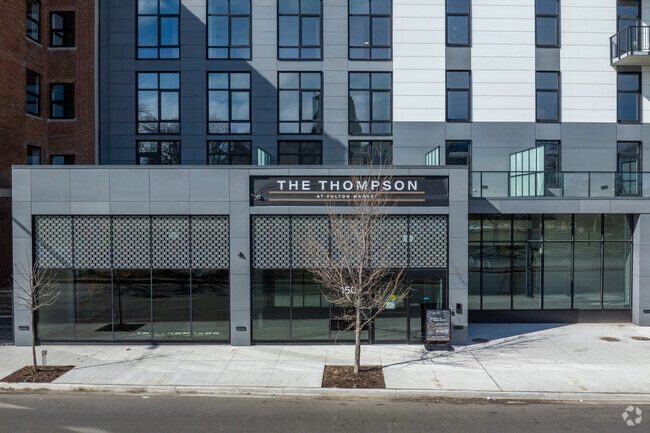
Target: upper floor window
(458,152)
(552,166)
(628,13)
(229,103)
(299,29)
(629,97)
(370,29)
(158,32)
(33,155)
(33,23)
(376,152)
(229,153)
(432,157)
(229,29)
(158,153)
(458,96)
(547,23)
(62,29)
(33,96)
(548,96)
(62,159)
(458,23)
(62,101)
(370,103)
(629,179)
(300,103)
(300,152)
(159,103)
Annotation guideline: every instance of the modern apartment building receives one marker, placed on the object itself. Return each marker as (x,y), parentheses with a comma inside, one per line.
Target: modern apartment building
(520,122)
(47,111)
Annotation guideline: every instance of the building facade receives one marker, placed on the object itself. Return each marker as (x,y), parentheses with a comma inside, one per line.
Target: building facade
(533,111)
(47,111)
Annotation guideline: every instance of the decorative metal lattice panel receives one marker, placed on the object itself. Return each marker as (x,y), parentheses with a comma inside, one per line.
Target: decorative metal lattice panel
(131,243)
(306,231)
(428,241)
(390,242)
(210,242)
(271,242)
(170,242)
(92,242)
(346,241)
(53,241)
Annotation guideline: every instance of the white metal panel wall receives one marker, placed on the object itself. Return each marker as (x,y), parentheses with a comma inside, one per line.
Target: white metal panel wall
(503,60)
(419,60)
(645,75)
(588,80)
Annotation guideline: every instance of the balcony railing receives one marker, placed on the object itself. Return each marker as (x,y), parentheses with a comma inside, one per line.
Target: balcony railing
(575,184)
(630,46)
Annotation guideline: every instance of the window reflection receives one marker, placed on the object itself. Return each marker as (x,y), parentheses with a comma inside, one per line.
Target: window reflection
(229,29)
(158,32)
(229,103)
(369,29)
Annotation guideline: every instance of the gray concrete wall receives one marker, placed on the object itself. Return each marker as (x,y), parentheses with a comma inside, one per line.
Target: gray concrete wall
(641,271)
(164,190)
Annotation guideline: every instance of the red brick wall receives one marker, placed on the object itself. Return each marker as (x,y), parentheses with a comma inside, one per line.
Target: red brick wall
(63,65)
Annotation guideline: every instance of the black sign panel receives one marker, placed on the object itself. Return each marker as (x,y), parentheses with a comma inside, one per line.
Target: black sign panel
(340,191)
(438,326)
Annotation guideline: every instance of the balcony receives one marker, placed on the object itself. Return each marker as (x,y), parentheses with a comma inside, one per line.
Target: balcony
(630,46)
(527,184)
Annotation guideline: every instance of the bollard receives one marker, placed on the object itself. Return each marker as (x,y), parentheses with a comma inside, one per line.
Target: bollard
(44,354)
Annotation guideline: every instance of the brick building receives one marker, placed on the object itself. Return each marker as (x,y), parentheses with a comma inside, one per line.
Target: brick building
(47,114)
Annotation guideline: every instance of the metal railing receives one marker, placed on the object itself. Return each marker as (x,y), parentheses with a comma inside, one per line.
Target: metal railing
(575,184)
(630,40)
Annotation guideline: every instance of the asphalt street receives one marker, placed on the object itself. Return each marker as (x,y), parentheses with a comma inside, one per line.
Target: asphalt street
(101,413)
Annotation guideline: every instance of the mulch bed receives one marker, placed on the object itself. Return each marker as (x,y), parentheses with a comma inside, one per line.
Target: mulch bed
(342,376)
(43,374)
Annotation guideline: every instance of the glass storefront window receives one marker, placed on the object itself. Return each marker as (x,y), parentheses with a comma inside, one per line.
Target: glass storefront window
(171,304)
(526,227)
(526,276)
(616,275)
(427,292)
(271,305)
(588,227)
(474,276)
(210,304)
(618,228)
(557,275)
(587,265)
(94,305)
(496,268)
(557,227)
(310,314)
(56,321)
(496,228)
(132,304)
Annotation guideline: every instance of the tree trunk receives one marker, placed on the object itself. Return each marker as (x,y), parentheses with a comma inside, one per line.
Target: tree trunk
(357,340)
(33,320)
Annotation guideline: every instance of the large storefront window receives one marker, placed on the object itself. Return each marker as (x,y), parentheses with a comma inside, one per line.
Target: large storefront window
(135,278)
(289,306)
(549,262)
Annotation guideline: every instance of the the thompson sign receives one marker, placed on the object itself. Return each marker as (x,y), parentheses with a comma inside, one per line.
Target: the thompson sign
(340,191)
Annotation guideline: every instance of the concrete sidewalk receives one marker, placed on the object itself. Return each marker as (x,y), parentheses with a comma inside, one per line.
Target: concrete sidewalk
(526,361)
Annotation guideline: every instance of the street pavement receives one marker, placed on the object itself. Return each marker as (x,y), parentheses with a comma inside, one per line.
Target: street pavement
(97,413)
(561,362)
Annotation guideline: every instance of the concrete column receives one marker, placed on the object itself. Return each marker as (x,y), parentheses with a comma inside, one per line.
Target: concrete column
(458,238)
(240,260)
(641,271)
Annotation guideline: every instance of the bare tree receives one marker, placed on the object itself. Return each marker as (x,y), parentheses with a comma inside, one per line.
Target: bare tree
(35,288)
(355,269)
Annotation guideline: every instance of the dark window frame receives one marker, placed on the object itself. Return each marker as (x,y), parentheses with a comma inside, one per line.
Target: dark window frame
(467,155)
(457,14)
(300,91)
(558,21)
(632,178)
(372,153)
(160,91)
(68,104)
(230,154)
(459,89)
(32,94)
(159,45)
(371,92)
(230,46)
(230,91)
(628,17)
(301,154)
(35,149)
(68,159)
(157,154)
(67,33)
(558,93)
(300,45)
(32,20)
(370,46)
(639,107)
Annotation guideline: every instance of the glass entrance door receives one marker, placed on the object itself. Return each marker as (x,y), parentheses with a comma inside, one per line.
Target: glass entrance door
(405,322)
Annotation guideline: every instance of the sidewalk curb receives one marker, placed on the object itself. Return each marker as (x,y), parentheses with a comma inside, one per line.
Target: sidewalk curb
(324,393)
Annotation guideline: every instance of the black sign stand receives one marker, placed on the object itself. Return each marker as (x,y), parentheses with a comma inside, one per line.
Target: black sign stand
(437,330)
